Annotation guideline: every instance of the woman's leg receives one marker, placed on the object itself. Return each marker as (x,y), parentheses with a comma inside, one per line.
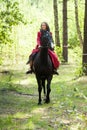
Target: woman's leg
(30,61)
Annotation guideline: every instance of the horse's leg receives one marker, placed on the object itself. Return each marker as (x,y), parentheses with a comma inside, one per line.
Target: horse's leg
(48,89)
(44,90)
(39,90)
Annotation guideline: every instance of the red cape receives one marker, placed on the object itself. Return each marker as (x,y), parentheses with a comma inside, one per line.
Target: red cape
(53,56)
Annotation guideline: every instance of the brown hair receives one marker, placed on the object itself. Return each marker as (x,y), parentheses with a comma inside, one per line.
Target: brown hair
(47,26)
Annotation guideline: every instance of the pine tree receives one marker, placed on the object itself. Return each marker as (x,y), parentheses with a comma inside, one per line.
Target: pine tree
(65,32)
(85,41)
(55,7)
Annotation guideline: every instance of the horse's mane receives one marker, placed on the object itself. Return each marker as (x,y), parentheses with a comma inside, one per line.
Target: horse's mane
(46,38)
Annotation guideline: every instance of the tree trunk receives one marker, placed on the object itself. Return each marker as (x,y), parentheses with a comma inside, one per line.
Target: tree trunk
(65,32)
(55,7)
(37,2)
(85,41)
(77,23)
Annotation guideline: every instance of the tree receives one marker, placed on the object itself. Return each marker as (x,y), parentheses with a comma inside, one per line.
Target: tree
(77,22)
(65,32)
(55,7)
(9,16)
(85,41)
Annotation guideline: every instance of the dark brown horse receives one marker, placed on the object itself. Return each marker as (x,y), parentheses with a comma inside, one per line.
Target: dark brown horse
(43,67)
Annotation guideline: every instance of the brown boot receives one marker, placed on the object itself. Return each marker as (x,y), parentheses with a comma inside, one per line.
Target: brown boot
(31,66)
(55,72)
(29,72)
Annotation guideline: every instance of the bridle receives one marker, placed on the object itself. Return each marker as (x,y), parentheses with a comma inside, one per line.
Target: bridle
(44,47)
(45,39)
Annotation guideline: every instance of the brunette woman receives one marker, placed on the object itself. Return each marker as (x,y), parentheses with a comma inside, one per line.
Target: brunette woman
(55,61)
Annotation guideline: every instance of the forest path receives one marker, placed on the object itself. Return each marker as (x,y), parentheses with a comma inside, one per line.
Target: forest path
(19,96)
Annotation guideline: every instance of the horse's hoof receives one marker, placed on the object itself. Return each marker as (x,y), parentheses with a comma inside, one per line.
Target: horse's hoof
(47,101)
(39,103)
(44,99)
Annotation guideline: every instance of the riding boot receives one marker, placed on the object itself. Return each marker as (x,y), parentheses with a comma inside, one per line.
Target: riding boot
(31,68)
(29,72)
(55,72)
(29,60)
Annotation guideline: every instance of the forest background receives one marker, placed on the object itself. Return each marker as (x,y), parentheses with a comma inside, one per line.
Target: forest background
(22,37)
(19,23)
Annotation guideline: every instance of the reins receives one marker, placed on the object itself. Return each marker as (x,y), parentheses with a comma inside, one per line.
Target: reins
(44,47)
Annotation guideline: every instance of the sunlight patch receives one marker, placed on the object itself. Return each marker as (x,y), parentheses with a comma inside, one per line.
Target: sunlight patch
(39,110)
(22,115)
(23,82)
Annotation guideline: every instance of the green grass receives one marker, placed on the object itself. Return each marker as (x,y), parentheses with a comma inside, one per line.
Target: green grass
(19,96)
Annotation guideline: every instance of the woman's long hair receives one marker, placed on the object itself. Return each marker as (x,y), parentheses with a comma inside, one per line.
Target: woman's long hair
(47,26)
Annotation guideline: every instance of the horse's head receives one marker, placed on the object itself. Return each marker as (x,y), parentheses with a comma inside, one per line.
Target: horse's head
(45,38)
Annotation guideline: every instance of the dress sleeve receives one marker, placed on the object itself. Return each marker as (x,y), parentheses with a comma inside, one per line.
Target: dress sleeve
(38,40)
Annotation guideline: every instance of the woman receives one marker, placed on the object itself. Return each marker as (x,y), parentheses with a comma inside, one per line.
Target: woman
(44,27)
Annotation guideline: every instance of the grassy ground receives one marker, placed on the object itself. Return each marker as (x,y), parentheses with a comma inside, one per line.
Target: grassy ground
(19,96)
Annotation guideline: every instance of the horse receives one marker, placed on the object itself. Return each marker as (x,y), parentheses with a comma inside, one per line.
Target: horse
(43,68)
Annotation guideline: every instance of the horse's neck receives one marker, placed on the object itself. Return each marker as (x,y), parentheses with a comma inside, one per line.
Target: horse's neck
(44,56)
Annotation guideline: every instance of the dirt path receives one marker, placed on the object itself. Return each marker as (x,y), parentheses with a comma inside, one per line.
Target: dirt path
(19,96)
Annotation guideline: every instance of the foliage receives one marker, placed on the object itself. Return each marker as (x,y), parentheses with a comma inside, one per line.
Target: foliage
(73,41)
(9,16)
(24,36)
(79,71)
(58,51)
(18,92)
(84,68)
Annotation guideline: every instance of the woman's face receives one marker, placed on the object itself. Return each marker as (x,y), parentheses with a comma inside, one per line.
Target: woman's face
(43,26)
